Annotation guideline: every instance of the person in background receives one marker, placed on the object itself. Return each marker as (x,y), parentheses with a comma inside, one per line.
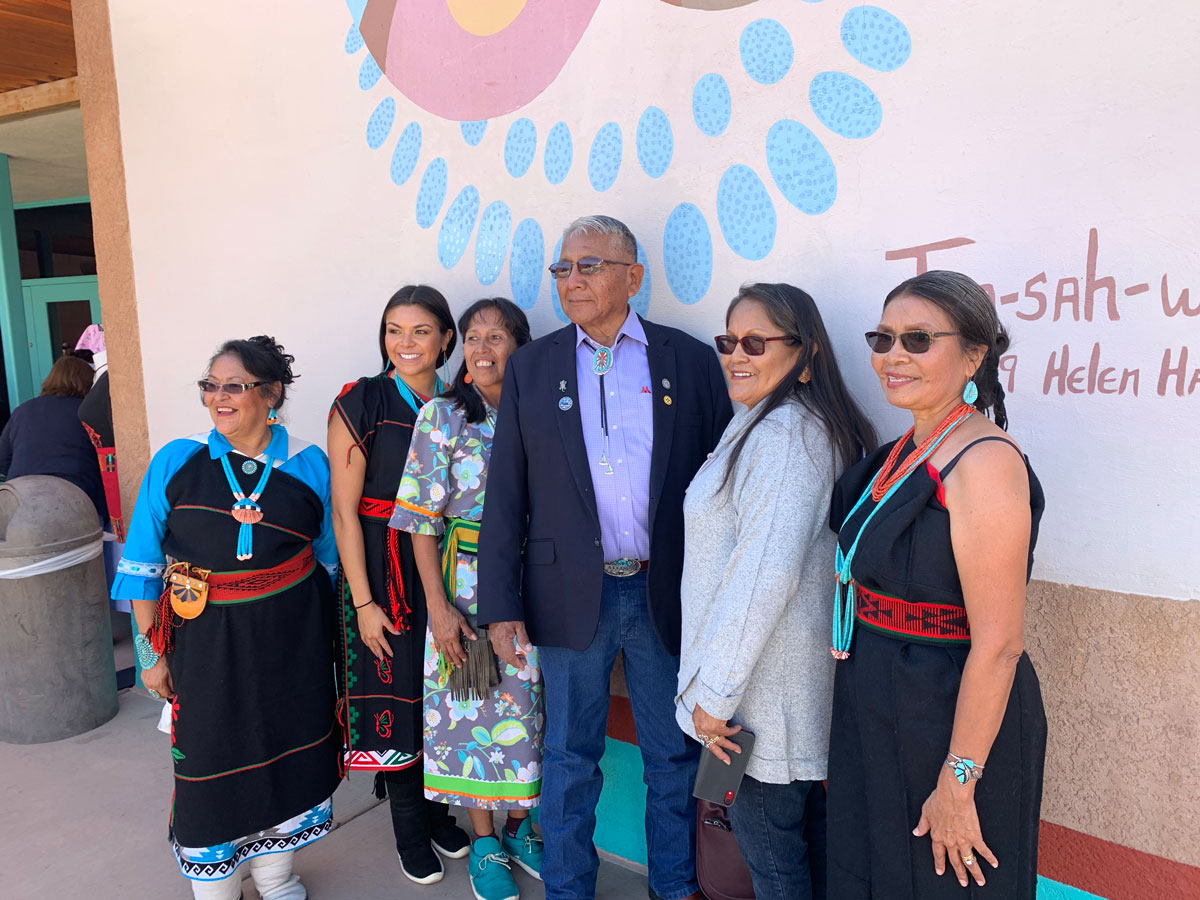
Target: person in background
(483,728)
(235,525)
(756,601)
(379,589)
(601,426)
(45,437)
(939,735)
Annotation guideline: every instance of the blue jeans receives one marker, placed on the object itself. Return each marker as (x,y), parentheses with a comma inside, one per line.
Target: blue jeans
(780,829)
(577,700)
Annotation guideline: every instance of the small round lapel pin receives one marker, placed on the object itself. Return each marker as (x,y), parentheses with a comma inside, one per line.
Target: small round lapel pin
(565,403)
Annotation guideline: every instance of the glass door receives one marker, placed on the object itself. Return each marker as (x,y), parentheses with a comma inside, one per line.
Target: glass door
(57,311)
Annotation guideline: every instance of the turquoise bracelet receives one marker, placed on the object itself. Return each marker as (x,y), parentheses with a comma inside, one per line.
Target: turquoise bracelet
(964,769)
(146,657)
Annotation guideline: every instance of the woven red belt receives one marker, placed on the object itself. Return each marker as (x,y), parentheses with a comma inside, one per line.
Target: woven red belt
(376,509)
(237,587)
(933,622)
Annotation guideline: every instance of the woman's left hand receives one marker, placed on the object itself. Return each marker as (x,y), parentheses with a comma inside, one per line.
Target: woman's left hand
(950,819)
(708,727)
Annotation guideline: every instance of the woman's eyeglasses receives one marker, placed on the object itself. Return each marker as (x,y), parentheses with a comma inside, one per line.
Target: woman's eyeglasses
(233,387)
(589,265)
(912,341)
(751,343)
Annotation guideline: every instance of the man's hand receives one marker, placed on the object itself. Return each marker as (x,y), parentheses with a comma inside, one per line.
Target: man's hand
(510,642)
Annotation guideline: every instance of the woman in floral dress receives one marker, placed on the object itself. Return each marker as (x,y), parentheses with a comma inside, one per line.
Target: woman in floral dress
(483,725)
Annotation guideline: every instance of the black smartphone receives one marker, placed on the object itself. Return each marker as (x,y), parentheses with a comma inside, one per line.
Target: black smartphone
(717,782)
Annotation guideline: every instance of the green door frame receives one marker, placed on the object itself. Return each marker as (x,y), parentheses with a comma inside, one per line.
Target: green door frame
(13,333)
(39,293)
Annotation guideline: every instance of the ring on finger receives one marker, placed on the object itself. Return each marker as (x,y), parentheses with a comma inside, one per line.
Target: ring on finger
(969,859)
(710,739)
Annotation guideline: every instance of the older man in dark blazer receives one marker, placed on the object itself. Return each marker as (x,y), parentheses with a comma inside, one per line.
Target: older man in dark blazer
(602,425)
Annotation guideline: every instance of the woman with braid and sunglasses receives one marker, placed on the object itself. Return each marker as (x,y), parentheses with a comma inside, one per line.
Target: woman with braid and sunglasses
(756,599)
(939,735)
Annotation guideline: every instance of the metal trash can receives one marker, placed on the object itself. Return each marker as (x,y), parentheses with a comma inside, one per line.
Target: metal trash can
(57,677)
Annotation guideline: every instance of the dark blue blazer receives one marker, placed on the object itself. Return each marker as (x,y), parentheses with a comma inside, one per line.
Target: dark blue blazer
(540,556)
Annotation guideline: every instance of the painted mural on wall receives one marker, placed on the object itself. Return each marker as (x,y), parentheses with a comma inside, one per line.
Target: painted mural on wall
(476,60)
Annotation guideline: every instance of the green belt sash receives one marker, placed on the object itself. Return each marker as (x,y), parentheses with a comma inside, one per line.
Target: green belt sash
(462,536)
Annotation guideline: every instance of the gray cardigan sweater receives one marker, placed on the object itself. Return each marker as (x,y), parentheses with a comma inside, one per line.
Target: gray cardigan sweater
(758,593)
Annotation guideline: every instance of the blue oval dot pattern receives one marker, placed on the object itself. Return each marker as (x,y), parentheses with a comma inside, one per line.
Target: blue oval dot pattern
(640,302)
(404,157)
(876,38)
(369,73)
(491,244)
(845,105)
(767,51)
(604,162)
(354,39)
(687,253)
(472,132)
(801,166)
(655,142)
(456,228)
(745,213)
(527,263)
(520,146)
(558,310)
(712,104)
(432,192)
(379,126)
(559,153)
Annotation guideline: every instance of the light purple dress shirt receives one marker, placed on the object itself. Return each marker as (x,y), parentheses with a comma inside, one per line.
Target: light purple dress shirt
(622,498)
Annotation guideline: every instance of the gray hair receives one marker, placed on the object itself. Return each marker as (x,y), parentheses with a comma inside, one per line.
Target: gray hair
(603,225)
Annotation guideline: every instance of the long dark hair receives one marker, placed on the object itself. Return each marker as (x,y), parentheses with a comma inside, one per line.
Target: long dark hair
(824,394)
(265,360)
(464,396)
(974,318)
(431,300)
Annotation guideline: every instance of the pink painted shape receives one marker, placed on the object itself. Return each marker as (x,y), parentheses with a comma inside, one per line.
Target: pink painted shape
(463,77)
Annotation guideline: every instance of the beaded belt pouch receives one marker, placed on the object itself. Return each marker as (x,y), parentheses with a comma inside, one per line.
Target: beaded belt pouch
(188,586)
(623,568)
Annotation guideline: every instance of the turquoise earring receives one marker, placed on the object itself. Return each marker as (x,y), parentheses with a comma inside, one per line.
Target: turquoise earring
(272,416)
(970,393)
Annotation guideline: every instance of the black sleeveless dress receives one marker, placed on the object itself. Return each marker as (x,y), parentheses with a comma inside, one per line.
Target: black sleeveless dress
(894,703)
(381,714)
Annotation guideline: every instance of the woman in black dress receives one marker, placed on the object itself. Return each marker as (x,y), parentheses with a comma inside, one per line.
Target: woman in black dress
(939,736)
(382,604)
(236,524)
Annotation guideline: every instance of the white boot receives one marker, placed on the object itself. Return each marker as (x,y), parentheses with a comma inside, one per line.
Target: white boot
(272,874)
(227,888)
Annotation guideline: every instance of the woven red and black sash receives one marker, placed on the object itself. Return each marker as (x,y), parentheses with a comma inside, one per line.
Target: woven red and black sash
(932,622)
(398,607)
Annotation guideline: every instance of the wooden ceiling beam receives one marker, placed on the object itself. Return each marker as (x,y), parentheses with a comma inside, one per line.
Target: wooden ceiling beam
(40,97)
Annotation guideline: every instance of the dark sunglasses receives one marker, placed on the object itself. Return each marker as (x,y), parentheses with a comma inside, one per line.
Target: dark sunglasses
(233,387)
(912,341)
(589,265)
(751,343)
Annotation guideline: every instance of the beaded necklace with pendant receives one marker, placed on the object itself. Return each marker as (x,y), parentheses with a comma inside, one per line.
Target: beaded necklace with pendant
(882,488)
(245,508)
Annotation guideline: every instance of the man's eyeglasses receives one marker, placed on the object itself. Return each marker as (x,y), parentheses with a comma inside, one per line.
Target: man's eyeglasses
(751,343)
(233,387)
(589,265)
(912,341)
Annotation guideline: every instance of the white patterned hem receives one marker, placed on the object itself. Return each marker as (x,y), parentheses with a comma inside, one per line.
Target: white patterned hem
(140,569)
(222,860)
(379,761)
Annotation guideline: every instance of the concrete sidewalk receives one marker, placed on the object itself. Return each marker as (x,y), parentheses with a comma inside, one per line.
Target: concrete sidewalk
(87,818)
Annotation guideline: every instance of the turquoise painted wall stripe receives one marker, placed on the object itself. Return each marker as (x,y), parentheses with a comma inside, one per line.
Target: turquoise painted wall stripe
(621,816)
(39,204)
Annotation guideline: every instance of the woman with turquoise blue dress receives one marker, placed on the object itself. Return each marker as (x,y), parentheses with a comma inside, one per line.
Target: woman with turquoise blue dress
(482,720)
(235,525)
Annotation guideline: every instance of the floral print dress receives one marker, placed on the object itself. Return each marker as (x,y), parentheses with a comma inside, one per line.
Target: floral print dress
(485,754)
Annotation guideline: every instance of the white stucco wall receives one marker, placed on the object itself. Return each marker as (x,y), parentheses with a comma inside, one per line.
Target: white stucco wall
(256,205)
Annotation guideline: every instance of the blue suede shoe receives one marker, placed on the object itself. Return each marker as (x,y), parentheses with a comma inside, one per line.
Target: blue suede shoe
(525,849)
(489,869)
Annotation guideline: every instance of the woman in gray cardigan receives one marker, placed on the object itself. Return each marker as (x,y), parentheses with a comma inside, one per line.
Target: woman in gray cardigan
(756,594)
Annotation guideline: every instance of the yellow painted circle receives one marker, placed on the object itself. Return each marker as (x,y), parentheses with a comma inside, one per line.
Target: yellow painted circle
(484,17)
